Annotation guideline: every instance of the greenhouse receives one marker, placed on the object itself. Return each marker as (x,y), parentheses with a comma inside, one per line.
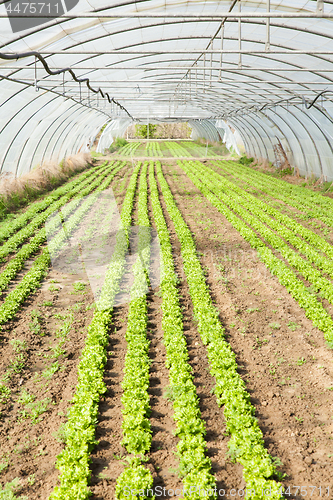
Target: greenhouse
(166,257)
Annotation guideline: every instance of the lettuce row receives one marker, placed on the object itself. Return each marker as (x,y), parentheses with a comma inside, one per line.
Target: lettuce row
(177,150)
(32,279)
(136,424)
(12,226)
(17,263)
(195,467)
(310,197)
(260,208)
(234,202)
(246,444)
(73,461)
(129,149)
(17,239)
(302,199)
(313,309)
(314,239)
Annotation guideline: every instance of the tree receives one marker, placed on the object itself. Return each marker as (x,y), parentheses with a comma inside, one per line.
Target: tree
(141,130)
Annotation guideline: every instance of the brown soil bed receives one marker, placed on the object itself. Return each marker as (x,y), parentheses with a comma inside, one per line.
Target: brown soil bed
(283,358)
(42,378)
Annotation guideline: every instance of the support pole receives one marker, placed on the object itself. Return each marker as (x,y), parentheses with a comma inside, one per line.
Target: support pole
(239,36)
(36,82)
(211,63)
(320,7)
(204,71)
(268,28)
(221,58)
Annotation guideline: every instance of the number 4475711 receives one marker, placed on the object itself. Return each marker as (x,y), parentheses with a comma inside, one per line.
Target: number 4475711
(33,8)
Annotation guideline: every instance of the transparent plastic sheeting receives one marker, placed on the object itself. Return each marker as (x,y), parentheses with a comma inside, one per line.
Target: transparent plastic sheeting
(155,67)
(91,250)
(41,127)
(116,128)
(306,136)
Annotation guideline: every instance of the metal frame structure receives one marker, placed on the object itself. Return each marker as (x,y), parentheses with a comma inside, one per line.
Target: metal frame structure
(264,68)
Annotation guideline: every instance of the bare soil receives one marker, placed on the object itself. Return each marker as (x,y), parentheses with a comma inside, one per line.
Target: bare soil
(42,375)
(283,359)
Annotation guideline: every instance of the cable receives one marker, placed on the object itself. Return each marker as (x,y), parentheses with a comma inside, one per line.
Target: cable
(9,57)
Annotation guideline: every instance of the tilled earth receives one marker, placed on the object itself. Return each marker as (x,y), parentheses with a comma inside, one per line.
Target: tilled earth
(283,359)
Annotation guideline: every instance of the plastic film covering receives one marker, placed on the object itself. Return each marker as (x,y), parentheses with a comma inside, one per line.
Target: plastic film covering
(115,128)
(263,69)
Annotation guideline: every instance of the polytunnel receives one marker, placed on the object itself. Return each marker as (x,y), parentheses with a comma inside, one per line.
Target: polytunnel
(254,74)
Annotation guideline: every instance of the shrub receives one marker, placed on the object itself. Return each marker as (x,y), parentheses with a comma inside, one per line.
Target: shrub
(244,160)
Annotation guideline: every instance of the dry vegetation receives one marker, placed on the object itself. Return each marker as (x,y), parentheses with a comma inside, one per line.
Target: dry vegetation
(16,192)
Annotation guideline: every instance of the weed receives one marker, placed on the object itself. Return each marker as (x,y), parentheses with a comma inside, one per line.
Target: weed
(18,345)
(79,288)
(5,393)
(62,317)
(301,361)
(53,289)
(280,476)
(8,491)
(35,324)
(61,434)
(293,326)
(26,398)
(4,464)
(47,303)
(244,160)
(57,351)
(252,309)
(31,479)
(51,370)
(275,326)
(277,462)
(77,306)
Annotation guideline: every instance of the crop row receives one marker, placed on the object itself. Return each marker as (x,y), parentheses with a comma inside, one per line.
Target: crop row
(313,206)
(177,150)
(153,149)
(32,279)
(195,467)
(312,307)
(17,263)
(9,228)
(17,239)
(129,149)
(73,461)
(200,150)
(261,209)
(246,444)
(135,399)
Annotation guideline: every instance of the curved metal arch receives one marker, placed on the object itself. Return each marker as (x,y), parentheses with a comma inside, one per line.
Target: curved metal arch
(311,139)
(256,136)
(248,136)
(259,124)
(148,42)
(274,124)
(243,136)
(18,132)
(62,134)
(68,111)
(295,136)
